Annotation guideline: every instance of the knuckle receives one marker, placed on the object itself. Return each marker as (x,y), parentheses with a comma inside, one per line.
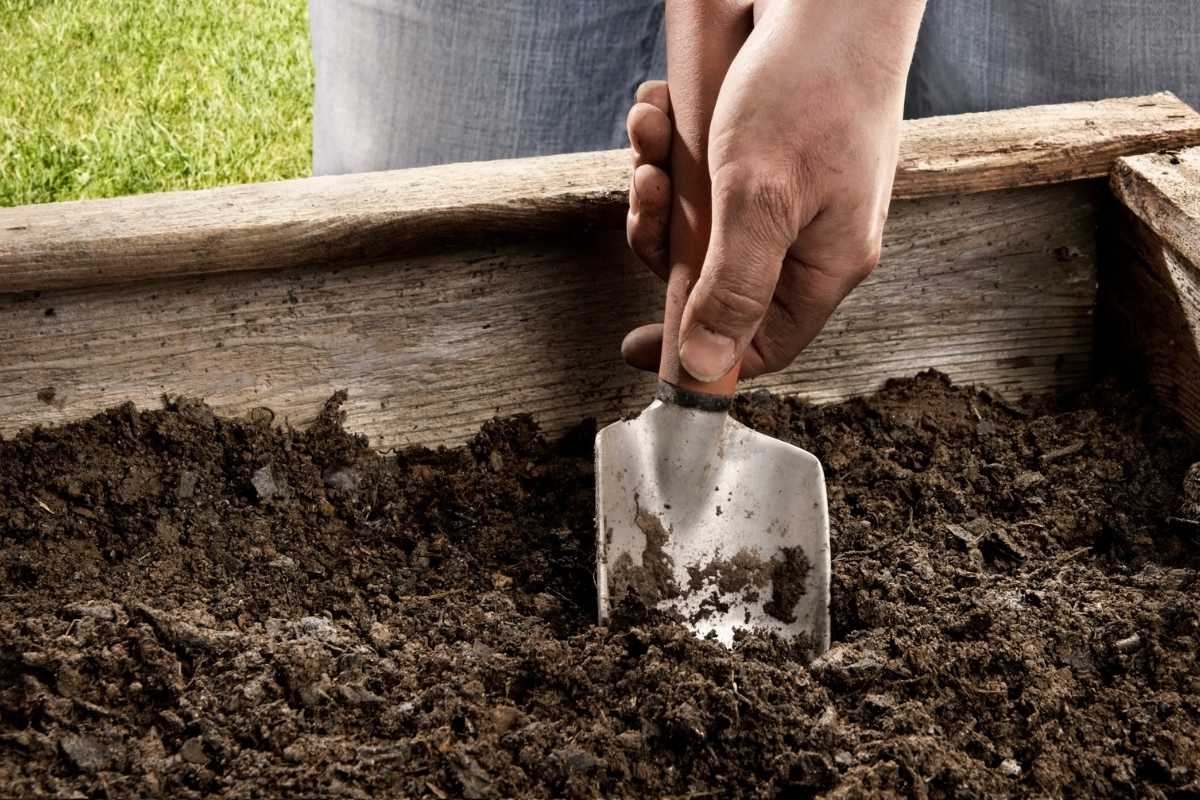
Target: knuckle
(761,196)
(774,350)
(868,259)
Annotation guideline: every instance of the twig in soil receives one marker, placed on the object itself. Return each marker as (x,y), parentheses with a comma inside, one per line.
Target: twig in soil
(1060,561)
(562,597)
(864,553)
(195,671)
(99,711)
(1062,452)
(435,596)
(1127,644)
(1183,523)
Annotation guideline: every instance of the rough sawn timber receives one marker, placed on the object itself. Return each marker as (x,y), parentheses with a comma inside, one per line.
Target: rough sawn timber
(367,217)
(1156,298)
(995,287)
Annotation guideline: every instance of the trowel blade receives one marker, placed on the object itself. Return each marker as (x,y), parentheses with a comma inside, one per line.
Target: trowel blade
(726,526)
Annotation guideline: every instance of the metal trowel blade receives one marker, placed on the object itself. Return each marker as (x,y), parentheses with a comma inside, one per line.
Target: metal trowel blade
(723,525)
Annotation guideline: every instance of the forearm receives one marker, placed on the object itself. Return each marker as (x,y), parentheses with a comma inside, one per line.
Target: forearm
(877,37)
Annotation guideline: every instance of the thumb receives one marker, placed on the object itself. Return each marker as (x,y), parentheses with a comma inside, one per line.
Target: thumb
(751,232)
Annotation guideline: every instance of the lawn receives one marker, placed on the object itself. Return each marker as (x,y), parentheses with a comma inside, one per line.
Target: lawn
(110,97)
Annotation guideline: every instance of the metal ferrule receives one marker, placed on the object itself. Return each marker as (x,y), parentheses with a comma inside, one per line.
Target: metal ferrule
(685,398)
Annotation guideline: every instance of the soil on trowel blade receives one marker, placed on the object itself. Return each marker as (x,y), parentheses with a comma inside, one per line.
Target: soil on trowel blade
(195,606)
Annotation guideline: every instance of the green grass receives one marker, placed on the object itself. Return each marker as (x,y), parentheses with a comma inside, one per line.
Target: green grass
(109,97)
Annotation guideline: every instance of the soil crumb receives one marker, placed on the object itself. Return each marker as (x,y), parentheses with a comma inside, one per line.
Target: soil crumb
(654,579)
(788,576)
(745,570)
(746,573)
(194,606)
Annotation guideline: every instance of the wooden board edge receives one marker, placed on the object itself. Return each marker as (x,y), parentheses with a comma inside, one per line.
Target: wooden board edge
(1149,297)
(1163,190)
(359,218)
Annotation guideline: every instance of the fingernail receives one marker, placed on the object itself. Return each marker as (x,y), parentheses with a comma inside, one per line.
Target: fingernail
(706,354)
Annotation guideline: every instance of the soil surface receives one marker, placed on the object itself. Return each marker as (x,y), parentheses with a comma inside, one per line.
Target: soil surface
(194,606)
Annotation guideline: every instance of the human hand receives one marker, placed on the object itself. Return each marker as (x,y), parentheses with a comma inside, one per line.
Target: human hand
(802,151)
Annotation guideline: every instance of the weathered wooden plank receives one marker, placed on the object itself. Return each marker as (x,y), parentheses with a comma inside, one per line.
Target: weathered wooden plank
(995,287)
(1163,190)
(1037,145)
(358,218)
(1155,293)
(306,222)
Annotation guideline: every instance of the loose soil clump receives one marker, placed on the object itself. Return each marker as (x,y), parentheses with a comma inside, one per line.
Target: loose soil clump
(195,606)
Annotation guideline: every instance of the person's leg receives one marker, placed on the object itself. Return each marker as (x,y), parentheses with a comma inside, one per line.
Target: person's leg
(977,55)
(404,83)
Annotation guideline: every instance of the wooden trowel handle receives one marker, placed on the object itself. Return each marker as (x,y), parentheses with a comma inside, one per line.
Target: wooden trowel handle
(702,40)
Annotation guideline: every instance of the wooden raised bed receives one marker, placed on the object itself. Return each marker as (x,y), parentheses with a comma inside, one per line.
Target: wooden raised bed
(440,297)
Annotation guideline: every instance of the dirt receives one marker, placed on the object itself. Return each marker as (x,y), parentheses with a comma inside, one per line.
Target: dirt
(653,581)
(787,584)
(744,572)
(194,606)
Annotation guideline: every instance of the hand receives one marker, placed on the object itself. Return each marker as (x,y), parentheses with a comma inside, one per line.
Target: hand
(802,152)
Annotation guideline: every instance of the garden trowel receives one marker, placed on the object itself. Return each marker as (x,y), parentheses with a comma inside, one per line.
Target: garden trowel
(696,513)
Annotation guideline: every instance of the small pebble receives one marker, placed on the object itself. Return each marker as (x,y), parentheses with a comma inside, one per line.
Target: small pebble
(100,610)
(381,636)
(187,485)
(318,628)
(342,480)
(504,717)
(86,753)
(193,751)
(1027,480)
(264,483)
(630,740)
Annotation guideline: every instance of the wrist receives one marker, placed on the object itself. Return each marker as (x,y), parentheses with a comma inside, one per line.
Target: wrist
(878,35)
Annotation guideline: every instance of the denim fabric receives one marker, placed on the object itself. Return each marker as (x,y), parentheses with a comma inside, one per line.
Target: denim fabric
(405,83)
(978,55)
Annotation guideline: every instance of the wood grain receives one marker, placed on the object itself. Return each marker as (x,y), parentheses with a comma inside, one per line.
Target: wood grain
(996,287)
(361,218)
(1037,145)
(1163,190)
(1155,295)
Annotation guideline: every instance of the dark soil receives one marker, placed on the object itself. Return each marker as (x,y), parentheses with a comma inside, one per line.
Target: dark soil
(192,606)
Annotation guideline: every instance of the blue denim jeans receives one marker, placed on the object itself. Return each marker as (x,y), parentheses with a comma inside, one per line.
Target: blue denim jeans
(404,83)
